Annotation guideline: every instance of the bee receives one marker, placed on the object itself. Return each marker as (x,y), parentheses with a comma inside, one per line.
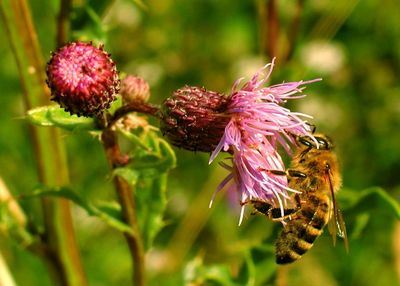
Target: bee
(314,172)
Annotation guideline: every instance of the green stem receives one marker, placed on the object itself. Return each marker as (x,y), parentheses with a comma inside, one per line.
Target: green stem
(125,197)
(61,255)
(63,24)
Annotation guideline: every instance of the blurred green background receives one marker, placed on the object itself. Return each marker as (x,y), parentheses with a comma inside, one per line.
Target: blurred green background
(353,45)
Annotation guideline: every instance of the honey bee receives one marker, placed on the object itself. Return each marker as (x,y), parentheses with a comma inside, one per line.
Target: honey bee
(314,172)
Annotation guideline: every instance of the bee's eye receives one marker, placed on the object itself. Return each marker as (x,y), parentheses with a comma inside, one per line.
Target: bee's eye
(305,142)
(323,143)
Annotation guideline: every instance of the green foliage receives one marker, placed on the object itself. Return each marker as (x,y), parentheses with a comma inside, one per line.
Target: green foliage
(212,43)
(109,213)
(148,173)
(370,200)
(152,158)
(12,227)
(53,115)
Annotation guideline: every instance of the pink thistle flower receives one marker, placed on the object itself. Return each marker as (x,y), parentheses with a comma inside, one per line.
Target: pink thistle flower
(83,79)
(258,125)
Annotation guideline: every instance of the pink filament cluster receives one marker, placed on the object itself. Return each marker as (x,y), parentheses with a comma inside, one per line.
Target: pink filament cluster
(259,124)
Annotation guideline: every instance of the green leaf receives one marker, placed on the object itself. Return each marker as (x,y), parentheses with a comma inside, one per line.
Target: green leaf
(162,157)
(109,215)
(151,159)
(134,139)
(151,203)
(130,175)
(148,173)
(369,200)
(364,208)
(53,115)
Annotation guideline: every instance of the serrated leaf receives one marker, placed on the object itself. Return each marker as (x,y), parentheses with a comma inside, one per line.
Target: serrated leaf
(151,203)
(111,218)
(53,115)
(161,159)
(136,140)
(151,159)
(151,191)
(168,153)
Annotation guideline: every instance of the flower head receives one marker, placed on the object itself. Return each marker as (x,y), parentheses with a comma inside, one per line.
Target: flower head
(193,118)
(83,79)
(250,124)
(258,125)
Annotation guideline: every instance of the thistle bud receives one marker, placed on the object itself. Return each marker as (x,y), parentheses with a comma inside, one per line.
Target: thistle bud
(134,89)
(193,118)
(83,79)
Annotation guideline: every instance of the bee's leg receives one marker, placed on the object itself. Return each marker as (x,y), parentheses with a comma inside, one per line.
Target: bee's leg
(313,127)
(277,172)
(288,173)
(297,174)
(272,212)
(261,206)
(276,214)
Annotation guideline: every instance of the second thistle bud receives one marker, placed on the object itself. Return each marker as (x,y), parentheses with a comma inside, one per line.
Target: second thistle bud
(83,79)
(134,89)
(193,118)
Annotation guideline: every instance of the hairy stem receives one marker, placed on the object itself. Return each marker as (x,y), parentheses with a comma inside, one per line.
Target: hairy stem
(125,197)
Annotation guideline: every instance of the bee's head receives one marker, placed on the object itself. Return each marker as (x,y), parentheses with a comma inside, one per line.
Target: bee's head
(324,142)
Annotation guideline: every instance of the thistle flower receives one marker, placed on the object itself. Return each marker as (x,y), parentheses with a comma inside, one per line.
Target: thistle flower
(258,125)
(250,124)
(83,79)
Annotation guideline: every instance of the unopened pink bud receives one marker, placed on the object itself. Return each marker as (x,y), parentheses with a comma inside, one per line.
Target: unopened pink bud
(134,89)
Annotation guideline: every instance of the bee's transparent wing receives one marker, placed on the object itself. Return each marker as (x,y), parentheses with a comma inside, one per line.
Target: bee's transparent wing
(336,225)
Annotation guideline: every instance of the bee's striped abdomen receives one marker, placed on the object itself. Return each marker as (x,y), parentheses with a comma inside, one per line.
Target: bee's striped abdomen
(300,233)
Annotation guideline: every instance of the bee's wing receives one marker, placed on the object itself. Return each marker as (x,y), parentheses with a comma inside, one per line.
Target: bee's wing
(336,225)
(341,228)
